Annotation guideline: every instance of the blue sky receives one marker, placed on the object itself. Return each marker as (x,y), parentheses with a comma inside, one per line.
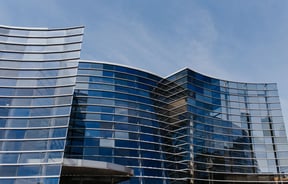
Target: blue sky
(239,40)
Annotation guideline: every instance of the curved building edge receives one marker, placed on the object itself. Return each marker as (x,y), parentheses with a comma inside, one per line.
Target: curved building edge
(40,28)
(177,71)
(139,126)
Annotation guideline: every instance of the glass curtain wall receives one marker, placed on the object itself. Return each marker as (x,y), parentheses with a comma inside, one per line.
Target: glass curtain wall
(116,118)
(38,68)
(187,128)
(236,130)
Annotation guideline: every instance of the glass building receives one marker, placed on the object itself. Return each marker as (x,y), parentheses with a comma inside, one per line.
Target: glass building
(70,121)
(38,69)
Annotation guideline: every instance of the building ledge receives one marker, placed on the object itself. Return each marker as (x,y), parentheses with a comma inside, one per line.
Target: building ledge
(87,171)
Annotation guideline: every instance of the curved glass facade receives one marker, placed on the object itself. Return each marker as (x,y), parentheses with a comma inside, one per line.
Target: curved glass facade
(237,133)
(93,122)
(38,70)
(187,128)
(115,119)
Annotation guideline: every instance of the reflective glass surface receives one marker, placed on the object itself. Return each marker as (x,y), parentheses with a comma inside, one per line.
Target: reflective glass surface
(35,101)
(188,128)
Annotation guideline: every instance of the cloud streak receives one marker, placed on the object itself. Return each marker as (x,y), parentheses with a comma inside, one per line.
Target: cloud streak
(228,39)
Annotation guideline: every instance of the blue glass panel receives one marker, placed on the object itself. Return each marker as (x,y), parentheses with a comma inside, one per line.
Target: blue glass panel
(4,111)
(25,92)
(105,151)
(127,161)
(29,170)
(7,91)
(42,101)
(37,133)
(152,172)
(7,181)
(62,110)
(127,144)
(15,134)
(52,170)
(91,150)
(45,122)
(54,156)
(5,101)
(34,145)
(41,112)
(44,91)
(59,132)
(56,144)
(31,158)
(151,163)
(6,171)
(11,145)
(8,157)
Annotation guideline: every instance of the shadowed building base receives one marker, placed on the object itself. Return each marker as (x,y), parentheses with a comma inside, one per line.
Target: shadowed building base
(77,171)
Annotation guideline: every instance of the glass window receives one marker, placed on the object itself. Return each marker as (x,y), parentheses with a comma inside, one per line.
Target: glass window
(39,122)
(61,121)
(41,112)
(37,133)
(8,82)
(23,92)
(42,101)
(128,144)
(74,31)
(64,90)
(66,81)
(26,82)
(19,112)
(8,158)
(106,152)
(151,172)
(107,143)
(46,82)
(4,111)
(8,73)
(11,146)
(63,100)
(122,135)
(44,91)
(62,110)
(21,102)
(15,134)
(7,91)
(31,158)
(59,132)
(276,113)
(56,144)
(54,156)
(34,145)
(28,170)
(127,161)
(91,150)
(7,181)
(52,170)
(151,163)
(271,86)
(6,171)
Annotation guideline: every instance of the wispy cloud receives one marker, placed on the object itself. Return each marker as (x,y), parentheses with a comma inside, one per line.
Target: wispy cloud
(228,39)
(189,42)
